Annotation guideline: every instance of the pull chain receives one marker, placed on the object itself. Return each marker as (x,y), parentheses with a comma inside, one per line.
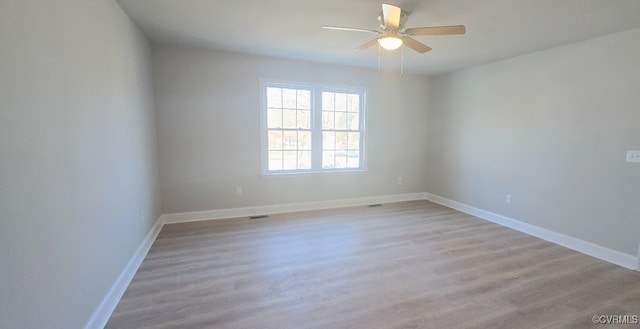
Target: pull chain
(379,58)
(402,62)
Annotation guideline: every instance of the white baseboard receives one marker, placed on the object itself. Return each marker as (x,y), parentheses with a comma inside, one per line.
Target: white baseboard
(588,248)
(102,314)
(285,208)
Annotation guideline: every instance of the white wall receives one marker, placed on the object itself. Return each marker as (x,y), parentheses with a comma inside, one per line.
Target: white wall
(551,128)
(208,112)
(77,157)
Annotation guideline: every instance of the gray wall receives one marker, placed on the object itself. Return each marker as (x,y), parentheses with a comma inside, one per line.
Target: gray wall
(77,157)
(551,128)
(208,112)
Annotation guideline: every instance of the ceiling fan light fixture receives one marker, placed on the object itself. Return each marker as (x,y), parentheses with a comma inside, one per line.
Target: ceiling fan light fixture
(390,43)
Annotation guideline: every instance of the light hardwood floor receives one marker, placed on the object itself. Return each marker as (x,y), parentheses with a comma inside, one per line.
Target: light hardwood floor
(402,265)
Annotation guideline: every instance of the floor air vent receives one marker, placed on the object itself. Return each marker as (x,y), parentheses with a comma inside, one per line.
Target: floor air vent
(259,217)
(375,205)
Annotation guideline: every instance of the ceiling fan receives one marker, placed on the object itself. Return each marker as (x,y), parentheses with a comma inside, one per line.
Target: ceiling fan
(393,33)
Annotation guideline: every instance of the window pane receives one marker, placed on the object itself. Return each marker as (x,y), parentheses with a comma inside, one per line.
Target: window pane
(341,102)
(289,98)
(328,140)
(341,141)
(289,118)
(353,122)
(327,101)
(275,139)
(290,141)
(327,120)
(275,160)
(274,118)
(341,159)
(304,159)
(304,120)
(304,140)
(354,141)
(328,159)
(353,103)
(341,120)
(353,159)
(290,160)
(274,97)
(304,100)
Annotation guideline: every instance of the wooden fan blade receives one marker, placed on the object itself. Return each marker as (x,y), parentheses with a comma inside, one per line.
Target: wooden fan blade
(436,30)
(415,45)
(340,28)
(367,44)
(391,15)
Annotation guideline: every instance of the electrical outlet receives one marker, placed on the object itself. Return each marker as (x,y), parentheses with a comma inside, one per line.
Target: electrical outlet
(633,156)
(399,180)
(508,198)
(238,190)
(141,216)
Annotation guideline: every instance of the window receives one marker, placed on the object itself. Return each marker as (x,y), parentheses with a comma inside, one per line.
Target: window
(312,129)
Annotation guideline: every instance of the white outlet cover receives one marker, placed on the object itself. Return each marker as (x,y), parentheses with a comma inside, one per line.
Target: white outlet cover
(633,156)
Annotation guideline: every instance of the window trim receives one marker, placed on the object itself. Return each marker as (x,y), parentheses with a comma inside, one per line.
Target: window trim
(316,126)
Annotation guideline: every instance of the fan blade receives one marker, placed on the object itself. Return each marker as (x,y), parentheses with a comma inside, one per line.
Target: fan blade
(415,45)
(340,28)
(436,30)
(391,15)
(367,44)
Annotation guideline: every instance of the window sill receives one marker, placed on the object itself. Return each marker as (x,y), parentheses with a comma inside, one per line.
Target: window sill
(313,173)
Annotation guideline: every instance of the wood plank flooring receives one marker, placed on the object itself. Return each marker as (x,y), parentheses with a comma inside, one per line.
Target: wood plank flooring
(402,265)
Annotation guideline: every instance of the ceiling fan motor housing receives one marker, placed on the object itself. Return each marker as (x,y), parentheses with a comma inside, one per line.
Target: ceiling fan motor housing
(403,19)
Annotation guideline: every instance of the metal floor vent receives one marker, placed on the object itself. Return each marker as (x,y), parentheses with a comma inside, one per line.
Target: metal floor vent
(259,217)
(375,205)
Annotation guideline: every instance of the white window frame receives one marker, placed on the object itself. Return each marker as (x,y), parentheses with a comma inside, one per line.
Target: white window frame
(316,126)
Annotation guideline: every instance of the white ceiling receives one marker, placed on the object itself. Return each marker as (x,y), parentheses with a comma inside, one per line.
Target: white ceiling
(496,29)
